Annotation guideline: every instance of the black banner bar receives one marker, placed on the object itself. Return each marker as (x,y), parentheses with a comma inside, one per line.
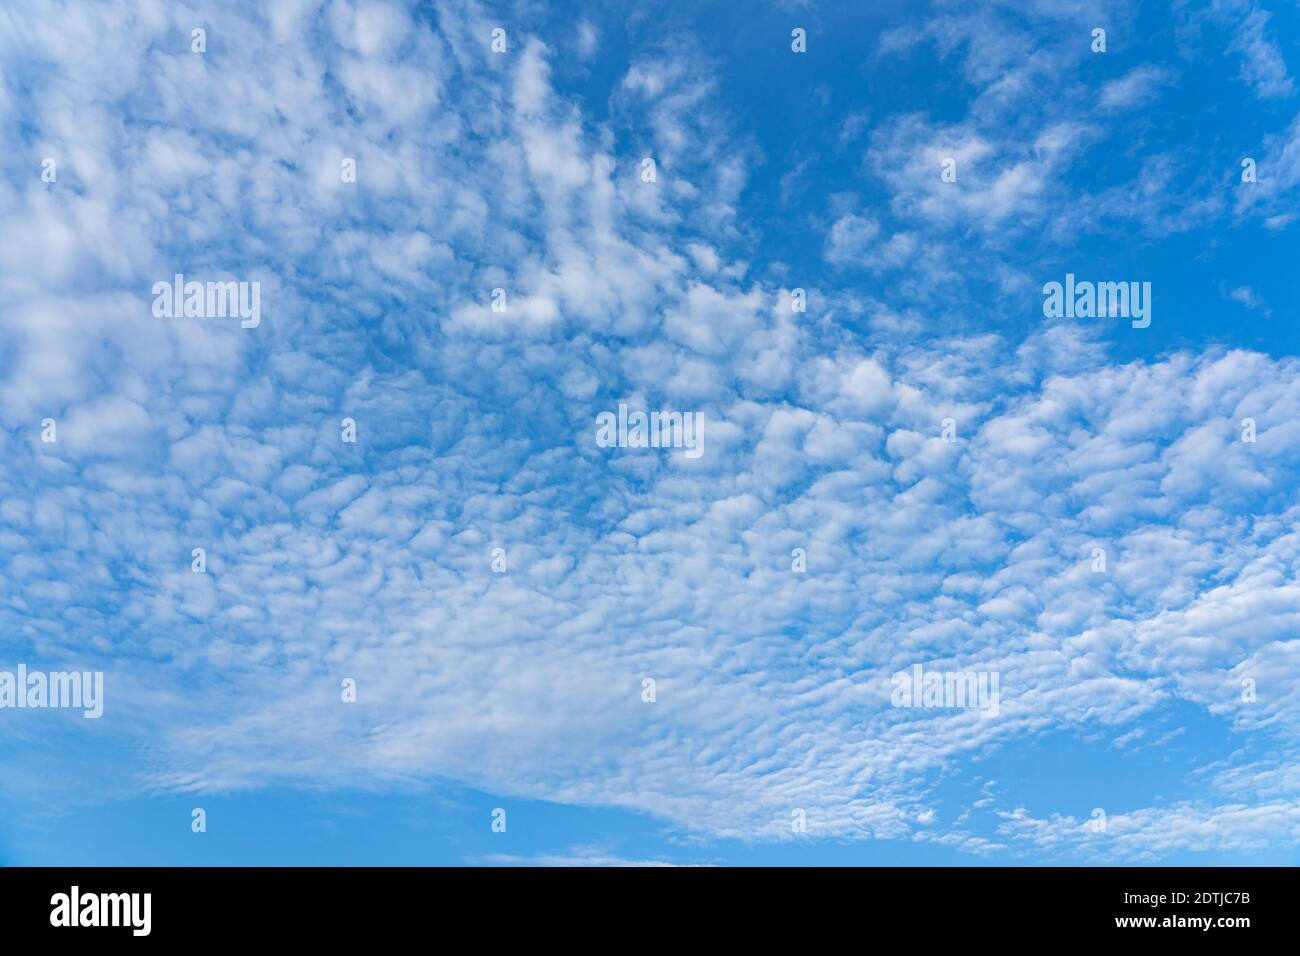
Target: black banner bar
(1222,906)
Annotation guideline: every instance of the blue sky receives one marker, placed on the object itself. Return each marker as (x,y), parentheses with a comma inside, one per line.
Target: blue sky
(1121,690)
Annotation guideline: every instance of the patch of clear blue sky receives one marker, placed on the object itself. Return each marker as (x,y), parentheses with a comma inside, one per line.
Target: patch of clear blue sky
(444,823)
(792,107)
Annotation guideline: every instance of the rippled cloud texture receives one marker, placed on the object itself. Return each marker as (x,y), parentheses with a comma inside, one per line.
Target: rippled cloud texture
(944,459)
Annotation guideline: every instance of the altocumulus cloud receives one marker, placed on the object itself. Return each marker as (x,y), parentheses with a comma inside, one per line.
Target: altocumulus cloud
(475,171)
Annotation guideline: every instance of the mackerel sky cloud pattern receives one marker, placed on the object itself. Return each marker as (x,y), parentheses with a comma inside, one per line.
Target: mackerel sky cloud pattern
(836,260)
